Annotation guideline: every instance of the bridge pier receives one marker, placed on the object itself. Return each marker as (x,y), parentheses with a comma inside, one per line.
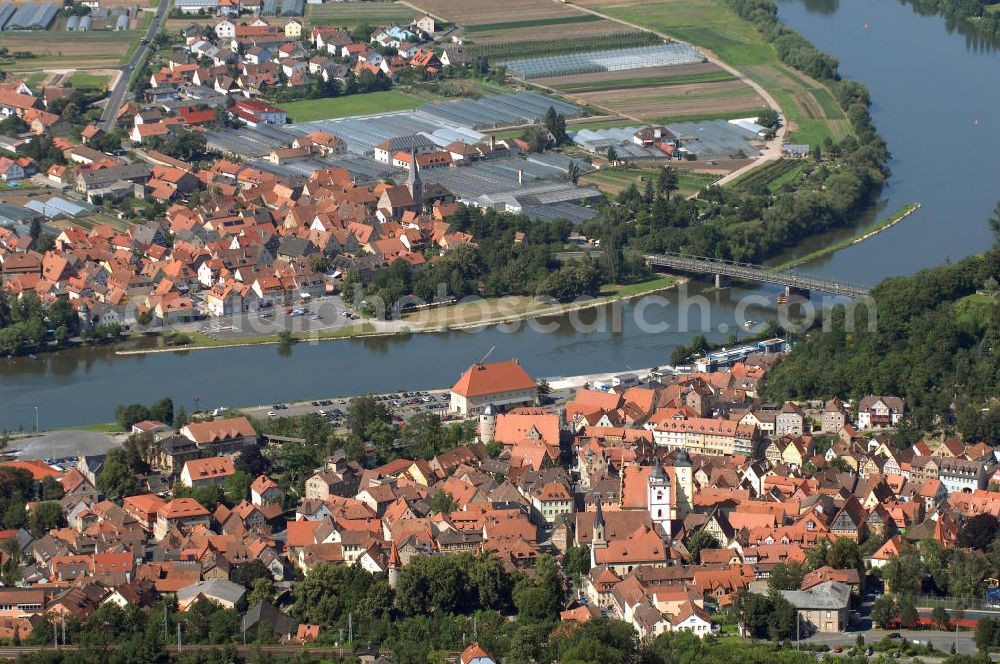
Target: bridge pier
(792,293)
(721,281)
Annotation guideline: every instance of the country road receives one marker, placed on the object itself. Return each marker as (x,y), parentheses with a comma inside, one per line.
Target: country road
(117,93)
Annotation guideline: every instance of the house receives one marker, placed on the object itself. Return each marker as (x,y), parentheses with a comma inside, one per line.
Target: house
(790,420)
(223,436)
(475,654)
(225,593)
(962,475)
(879,411)
(823,608)
(180,512)
(255,112)
(210,470)
(501,384)
(834,416)
(265,490)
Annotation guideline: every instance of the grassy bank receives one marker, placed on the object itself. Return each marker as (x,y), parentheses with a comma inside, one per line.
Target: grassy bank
(309,110)
(479,313)
(890,221)
(644,82)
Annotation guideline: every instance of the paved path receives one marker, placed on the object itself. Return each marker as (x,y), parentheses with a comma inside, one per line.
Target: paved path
(120,87)
(773,150)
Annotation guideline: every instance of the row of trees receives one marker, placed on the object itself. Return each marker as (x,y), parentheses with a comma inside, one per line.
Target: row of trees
(26,324)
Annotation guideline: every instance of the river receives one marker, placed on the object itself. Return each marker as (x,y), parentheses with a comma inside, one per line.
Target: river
(930,86)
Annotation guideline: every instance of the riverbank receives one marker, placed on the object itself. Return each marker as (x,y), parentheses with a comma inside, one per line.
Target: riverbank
(468,315)
(859,237)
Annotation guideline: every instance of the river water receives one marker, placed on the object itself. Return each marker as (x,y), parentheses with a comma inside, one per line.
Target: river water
(930,84)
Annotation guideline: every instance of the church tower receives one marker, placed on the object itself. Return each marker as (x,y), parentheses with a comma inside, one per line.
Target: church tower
(658,497)
(685,483)
(597,537)
(415,184)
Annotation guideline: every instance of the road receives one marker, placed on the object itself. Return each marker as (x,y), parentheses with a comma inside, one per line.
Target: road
(117,93)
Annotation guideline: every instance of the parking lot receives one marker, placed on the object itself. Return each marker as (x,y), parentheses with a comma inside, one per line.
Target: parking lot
(402,405)
(320,315)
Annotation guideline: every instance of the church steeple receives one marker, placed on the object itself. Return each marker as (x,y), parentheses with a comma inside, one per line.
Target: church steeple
(415,184)
(597,537)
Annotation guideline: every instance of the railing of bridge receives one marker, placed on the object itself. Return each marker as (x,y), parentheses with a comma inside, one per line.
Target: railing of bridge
(751,272)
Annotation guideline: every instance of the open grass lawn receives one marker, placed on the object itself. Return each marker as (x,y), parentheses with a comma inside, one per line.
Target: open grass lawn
(353,14)
(972,311)
(617,180)
(811,110)
(309,110)
(86,81)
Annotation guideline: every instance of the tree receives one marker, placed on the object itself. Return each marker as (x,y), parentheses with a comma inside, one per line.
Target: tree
(237,486)
(44,517)
(940,618)
(364,411)
(781,620)
(786,576)
(884,611)
(248,574)
(667,182)
(769,118)
(443,503)
(904,574)
(115,478)
(700,540)
(144,318)
(163,411)
(130,414)
(978,532)
(986,634)
(994,222)
(263,591)
(612,154)
(576,561)
(180,418)
(573,172)
(51,489)
(908,616)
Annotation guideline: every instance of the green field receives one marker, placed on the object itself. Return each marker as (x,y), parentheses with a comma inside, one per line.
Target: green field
(617,179)
(647,82)
(972,311)
(705,23)
(309,110)
(711,25)
(532,23)
(352,14)
(84,81)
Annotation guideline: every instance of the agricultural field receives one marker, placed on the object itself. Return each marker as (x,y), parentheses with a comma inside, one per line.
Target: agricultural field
(353,14)
(581,25)
(69,50)
(638,78)
(811,111)
(340,107)
(692,99)
(690,91)
(478,12)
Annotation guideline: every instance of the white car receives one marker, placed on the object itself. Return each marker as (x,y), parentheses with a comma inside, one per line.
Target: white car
(270,413)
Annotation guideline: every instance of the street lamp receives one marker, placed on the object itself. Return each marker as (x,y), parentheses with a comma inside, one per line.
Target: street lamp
(37,430)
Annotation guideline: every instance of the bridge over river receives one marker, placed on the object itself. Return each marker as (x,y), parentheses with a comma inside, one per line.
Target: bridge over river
(794,283)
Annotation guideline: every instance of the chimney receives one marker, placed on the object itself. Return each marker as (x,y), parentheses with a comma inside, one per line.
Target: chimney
(493,143)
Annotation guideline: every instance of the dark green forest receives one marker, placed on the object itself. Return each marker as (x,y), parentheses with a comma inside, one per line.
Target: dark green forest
(936,343)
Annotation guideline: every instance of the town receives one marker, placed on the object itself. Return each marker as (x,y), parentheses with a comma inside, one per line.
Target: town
(673,502)
(399,176)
